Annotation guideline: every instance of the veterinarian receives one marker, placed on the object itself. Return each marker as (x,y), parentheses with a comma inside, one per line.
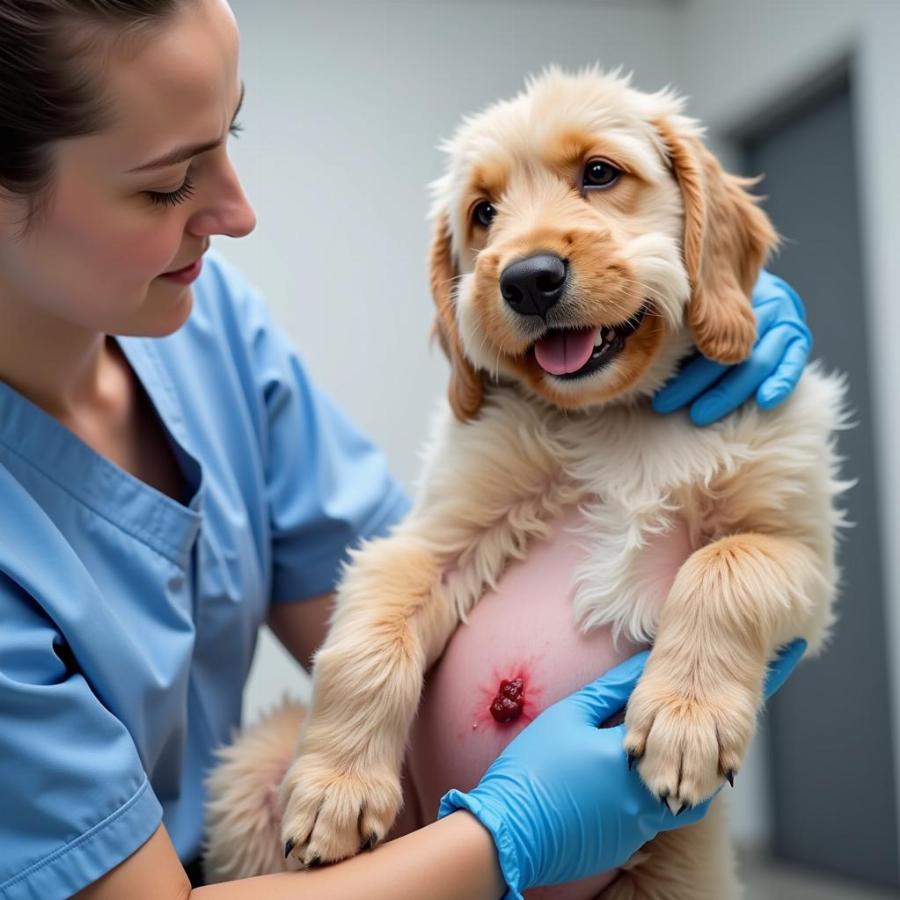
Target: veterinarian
(171,478)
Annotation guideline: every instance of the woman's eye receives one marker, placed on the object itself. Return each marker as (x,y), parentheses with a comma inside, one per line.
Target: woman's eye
(172,198)
(484,213)
(598,173)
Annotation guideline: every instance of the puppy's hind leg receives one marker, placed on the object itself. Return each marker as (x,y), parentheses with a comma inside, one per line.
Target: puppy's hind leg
(243,817)
(695,862)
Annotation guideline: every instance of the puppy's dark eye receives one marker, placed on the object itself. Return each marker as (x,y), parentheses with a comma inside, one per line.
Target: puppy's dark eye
(484,213)
(598,173)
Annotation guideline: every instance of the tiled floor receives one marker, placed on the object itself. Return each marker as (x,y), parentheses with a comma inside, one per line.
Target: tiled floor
(770,881)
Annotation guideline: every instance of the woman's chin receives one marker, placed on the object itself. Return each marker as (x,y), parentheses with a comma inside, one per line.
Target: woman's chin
(165,310)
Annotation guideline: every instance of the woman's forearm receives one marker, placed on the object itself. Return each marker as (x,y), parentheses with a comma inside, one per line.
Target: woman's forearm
(453,859)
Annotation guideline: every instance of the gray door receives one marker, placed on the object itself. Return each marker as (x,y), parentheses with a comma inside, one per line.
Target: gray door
(833,778)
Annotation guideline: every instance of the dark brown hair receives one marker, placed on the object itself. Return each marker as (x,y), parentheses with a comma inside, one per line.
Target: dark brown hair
(49,91)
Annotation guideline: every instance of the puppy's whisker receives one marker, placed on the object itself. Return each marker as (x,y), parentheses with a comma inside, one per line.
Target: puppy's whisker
(485,350)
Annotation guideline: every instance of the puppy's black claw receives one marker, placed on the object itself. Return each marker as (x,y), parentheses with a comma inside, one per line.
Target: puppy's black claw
(288,846)
(370,841)
(729,775)
(663,798)
(632,759)
(684,806)
(315,862)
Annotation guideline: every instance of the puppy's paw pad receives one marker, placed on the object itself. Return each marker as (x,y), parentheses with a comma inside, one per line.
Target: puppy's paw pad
(684,746)
(330,814)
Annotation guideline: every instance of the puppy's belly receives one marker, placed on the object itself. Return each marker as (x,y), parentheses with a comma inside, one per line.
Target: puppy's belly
(524,630)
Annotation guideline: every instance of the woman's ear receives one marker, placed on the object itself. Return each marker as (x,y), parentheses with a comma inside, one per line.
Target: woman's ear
(727,238)
(466,389)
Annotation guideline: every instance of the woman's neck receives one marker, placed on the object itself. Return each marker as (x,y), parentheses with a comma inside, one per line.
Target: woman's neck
(57,365)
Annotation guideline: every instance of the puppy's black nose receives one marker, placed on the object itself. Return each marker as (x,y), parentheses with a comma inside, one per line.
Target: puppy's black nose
(532,285)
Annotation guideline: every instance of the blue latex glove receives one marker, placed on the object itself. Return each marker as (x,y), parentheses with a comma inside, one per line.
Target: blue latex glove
(561,803)
(782,347)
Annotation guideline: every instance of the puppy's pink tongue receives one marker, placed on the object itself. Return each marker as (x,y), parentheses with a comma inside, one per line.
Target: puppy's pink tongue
(562,351)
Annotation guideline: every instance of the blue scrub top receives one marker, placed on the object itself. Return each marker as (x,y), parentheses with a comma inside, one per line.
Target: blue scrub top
(128,620)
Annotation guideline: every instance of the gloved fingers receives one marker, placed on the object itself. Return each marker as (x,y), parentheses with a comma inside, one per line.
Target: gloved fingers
(765,287)
(600,699)
(696,376)
(744,379)
(775,304)
(779,385)
(782,666)
(768,314)
(771,287)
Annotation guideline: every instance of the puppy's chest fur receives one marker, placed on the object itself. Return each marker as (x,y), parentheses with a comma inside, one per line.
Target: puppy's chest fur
(639,480)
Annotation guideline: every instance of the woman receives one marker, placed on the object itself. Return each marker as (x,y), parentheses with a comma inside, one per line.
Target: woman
(169,478)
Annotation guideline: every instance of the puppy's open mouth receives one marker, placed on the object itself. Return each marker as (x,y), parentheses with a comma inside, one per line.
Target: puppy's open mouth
(570,353)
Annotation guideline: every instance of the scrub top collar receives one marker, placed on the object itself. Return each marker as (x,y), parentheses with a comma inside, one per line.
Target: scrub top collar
(134,506)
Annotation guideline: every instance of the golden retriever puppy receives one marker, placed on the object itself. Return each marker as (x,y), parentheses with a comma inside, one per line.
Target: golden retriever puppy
(584,242)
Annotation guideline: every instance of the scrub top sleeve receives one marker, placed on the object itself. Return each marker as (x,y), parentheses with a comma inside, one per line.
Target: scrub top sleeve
(328,487)
(75,798)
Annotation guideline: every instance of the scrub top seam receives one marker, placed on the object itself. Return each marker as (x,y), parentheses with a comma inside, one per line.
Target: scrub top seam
(320,574)
(152,541)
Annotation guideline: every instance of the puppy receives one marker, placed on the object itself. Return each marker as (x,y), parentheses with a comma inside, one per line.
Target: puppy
(585,241)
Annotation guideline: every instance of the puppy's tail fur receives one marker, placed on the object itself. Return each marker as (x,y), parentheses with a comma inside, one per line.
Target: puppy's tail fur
(243,817)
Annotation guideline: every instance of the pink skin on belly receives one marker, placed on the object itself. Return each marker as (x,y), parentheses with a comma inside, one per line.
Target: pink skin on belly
(524,630)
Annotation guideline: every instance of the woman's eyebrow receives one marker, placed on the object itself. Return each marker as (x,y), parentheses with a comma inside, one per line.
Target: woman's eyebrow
(180,154)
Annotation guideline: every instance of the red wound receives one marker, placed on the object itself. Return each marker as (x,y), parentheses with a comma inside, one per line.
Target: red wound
(508,704)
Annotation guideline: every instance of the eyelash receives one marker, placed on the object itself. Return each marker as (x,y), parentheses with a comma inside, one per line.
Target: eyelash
(173,198)
(186,191)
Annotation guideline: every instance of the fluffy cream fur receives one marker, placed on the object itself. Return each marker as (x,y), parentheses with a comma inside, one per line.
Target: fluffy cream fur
(516,445)
(243,818)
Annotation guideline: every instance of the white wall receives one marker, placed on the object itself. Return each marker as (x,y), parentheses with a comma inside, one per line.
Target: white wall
(735,58)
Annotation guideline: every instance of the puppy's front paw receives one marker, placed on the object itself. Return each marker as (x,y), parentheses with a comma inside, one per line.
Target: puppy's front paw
(687,743)
(332,813)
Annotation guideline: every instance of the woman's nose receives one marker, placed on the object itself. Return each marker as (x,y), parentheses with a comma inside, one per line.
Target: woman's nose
(226,210)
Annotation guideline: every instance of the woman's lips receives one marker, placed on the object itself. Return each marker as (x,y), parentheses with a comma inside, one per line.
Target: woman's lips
(187,274)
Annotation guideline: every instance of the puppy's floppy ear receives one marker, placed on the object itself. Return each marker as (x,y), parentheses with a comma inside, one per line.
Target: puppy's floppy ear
(466,389)
(726,239)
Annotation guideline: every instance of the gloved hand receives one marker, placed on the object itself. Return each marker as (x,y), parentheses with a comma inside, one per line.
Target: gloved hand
(781,350)
(561,803)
